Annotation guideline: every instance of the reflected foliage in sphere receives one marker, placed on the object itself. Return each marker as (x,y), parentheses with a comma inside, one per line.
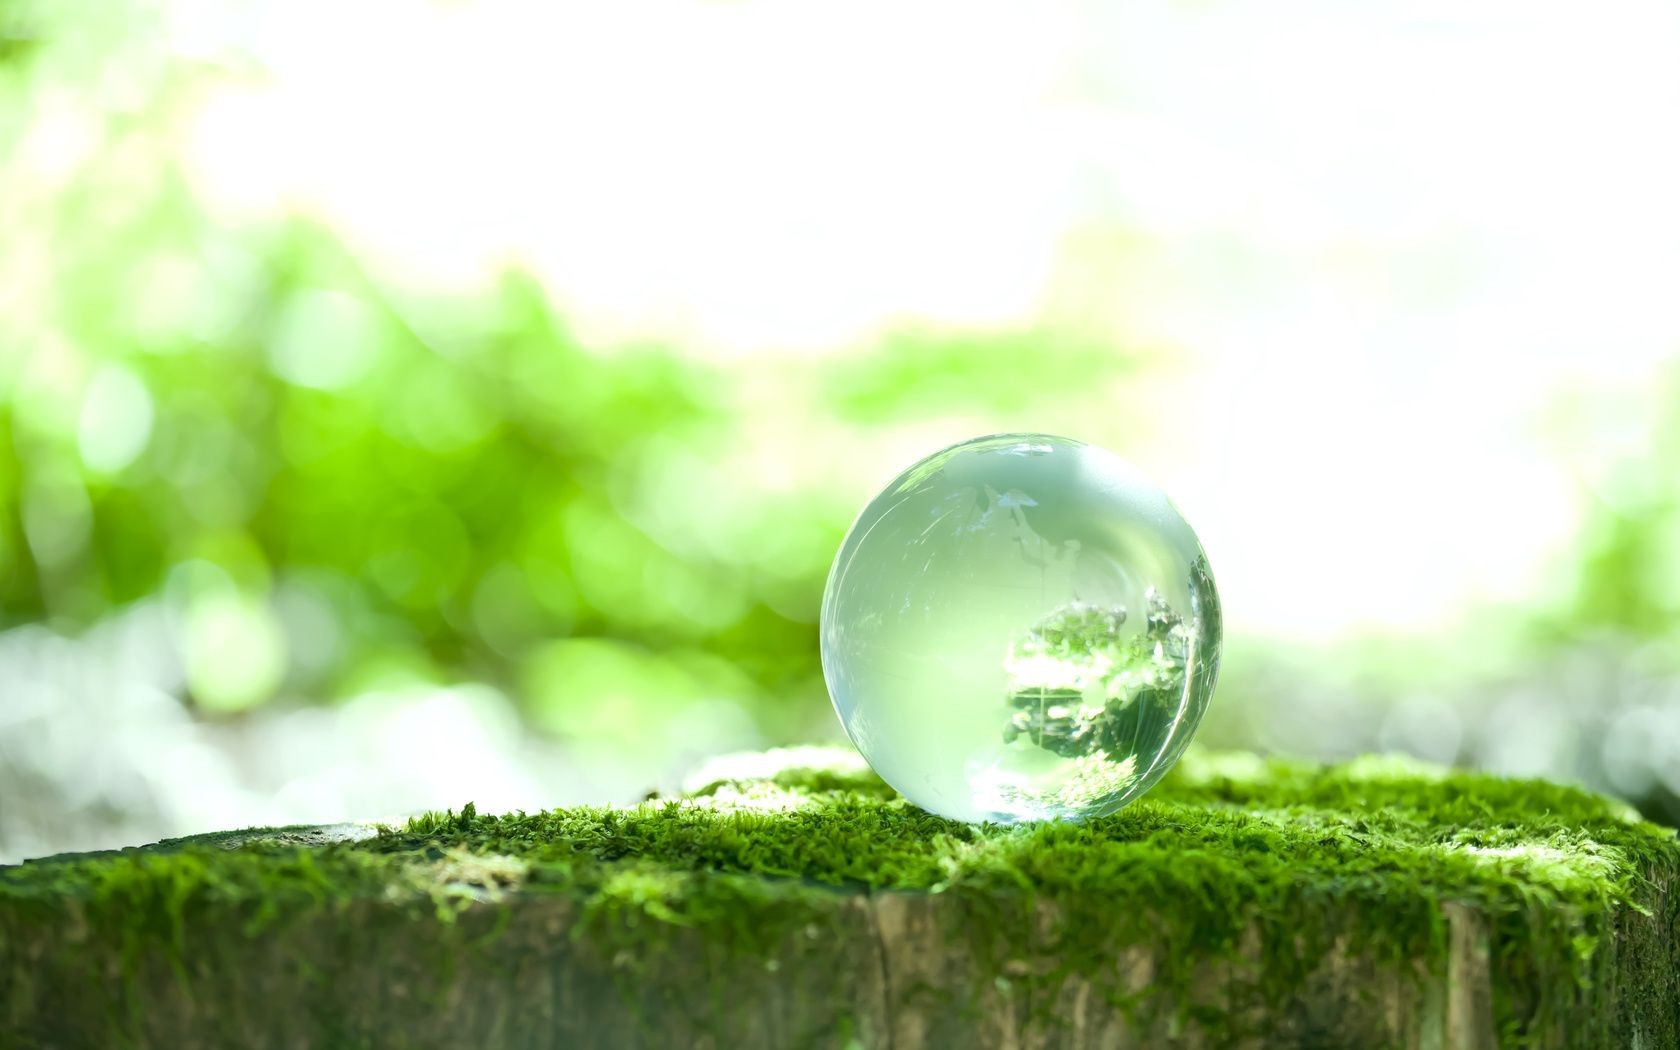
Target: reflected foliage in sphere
(1021,627)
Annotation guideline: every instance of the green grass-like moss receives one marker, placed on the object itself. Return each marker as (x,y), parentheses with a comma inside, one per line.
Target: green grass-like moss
(1227,848)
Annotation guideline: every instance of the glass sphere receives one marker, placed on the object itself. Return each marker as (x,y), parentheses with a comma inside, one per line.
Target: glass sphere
(1020,627)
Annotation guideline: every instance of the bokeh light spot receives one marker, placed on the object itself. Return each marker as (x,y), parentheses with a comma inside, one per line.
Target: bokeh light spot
(116,419)
(324,339)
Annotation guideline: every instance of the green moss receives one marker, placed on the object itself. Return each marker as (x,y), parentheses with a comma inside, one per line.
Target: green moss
(1228,848)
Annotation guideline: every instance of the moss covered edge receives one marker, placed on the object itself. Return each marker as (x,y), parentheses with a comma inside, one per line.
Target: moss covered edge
(1230,856)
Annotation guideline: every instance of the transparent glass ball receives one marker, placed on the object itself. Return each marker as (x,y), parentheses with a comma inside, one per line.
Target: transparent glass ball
(1020,627)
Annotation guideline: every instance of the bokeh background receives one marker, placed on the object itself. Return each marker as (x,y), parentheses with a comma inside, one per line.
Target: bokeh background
(404,403)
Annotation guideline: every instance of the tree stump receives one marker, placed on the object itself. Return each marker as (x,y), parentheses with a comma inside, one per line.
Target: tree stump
(802,903)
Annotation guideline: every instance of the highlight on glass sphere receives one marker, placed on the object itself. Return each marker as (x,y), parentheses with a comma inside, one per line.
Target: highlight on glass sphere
(1020,627)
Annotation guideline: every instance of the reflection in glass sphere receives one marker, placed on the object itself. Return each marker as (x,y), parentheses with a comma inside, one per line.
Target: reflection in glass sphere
(1020,627)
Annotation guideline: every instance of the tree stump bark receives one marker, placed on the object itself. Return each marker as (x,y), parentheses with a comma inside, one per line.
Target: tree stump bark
(1243,903)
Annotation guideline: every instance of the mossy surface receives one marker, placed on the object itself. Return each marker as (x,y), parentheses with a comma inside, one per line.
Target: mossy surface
(1229,850)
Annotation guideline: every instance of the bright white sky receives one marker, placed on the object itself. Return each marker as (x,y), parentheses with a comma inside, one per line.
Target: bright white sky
(1386,237)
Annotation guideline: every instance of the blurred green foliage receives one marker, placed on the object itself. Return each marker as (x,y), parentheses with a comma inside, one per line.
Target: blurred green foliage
(334,479)
(1627,573)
